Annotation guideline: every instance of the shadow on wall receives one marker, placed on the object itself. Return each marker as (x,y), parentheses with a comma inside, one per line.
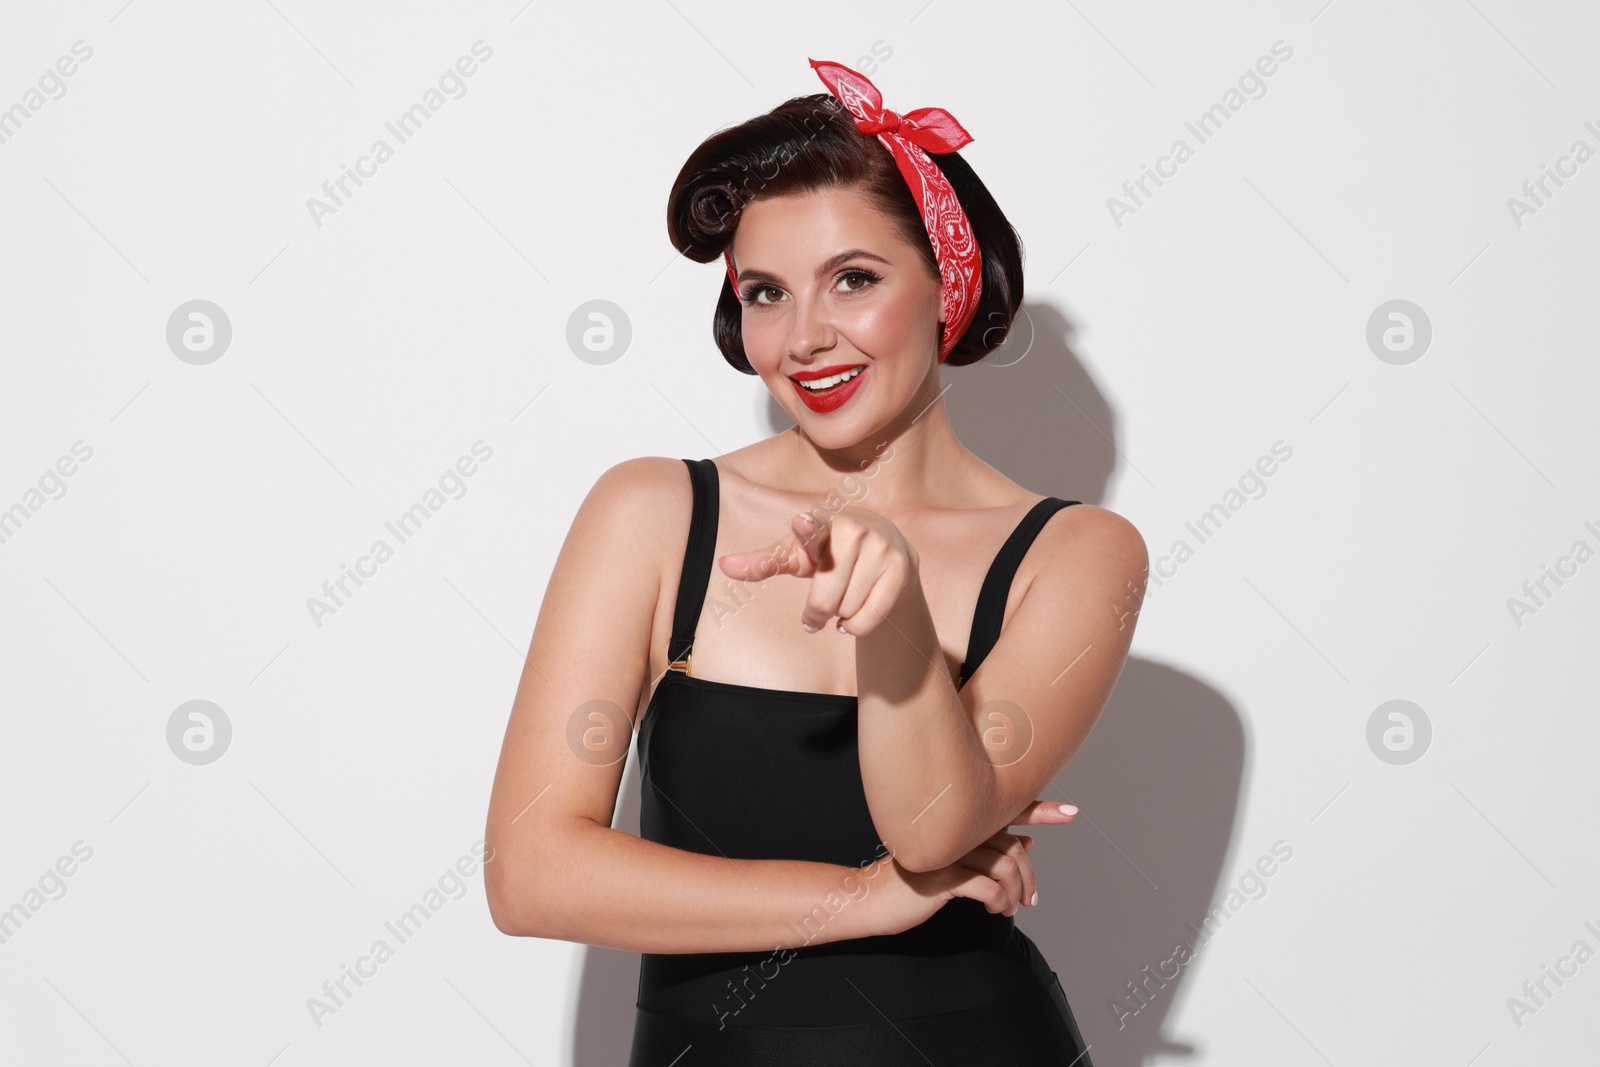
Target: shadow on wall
(1157,783)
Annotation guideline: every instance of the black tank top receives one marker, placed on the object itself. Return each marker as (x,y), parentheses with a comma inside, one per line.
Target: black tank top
(754,773)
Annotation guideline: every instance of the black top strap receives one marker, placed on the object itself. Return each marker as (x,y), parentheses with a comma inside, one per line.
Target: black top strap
(991,609)
(698,555)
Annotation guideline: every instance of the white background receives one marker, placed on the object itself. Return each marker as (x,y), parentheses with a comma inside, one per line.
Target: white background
(1168,353)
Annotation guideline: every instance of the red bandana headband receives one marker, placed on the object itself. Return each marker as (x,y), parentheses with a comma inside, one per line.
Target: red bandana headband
(909,138)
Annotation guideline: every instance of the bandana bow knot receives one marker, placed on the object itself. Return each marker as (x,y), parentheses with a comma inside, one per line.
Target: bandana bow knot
(886,122)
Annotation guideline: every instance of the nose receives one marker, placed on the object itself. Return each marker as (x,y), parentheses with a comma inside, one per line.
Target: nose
(810,328)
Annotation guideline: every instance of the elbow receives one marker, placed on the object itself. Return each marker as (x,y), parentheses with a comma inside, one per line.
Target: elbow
(509,915)
(922,855)
(936,842)
(938,845)
(924,861)
(914,863)
(519,918)
(526,895)
(513,907)
(508,922)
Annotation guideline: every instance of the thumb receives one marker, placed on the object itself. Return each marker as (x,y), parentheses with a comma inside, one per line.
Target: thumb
(811,535)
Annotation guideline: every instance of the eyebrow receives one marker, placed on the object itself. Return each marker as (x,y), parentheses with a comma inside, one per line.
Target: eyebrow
(826,267)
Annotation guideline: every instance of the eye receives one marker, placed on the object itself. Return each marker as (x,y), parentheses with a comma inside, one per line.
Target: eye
(867,277)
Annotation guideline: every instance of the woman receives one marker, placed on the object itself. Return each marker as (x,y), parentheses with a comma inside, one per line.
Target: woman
(823,873)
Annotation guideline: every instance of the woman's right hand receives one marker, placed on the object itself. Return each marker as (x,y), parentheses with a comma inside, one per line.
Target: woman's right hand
(998,874)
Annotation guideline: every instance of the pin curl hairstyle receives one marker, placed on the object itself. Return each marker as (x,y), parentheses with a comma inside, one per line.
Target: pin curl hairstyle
(808,144)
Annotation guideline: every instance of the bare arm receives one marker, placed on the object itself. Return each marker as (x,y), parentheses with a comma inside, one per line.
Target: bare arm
(935,786)
(557,869)
(599,886)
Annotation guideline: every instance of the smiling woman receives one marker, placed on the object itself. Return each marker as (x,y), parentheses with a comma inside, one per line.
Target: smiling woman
(824,871)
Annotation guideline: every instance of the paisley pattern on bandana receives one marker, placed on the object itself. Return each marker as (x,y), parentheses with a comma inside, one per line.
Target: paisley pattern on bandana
(909,138)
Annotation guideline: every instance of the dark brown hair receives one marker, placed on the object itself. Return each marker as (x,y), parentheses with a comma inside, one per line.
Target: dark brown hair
(810,143)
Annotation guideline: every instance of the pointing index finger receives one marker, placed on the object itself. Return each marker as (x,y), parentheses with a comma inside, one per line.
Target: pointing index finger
(782,557)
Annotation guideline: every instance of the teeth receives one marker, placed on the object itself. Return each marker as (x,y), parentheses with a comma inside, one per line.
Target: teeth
(820,384)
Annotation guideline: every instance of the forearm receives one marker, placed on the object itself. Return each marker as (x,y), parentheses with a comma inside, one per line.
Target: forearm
(599,886)
(927,777)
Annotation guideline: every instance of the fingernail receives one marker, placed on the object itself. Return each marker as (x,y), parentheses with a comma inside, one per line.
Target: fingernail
(842,629)
(1069,809)
(809,628)
(1034,899)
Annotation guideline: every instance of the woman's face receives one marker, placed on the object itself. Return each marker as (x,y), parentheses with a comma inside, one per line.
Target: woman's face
(828,285)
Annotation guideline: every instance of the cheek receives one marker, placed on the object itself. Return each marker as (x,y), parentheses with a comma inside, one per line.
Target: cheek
(763,342)
(882,327)
(876,322)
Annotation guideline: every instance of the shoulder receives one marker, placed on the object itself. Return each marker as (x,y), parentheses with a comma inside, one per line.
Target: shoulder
(615,547)
(643,480)
(1087,539)
(639,496)
(1089,559)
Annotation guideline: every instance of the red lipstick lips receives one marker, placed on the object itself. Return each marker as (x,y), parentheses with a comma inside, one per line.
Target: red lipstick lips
(835,396)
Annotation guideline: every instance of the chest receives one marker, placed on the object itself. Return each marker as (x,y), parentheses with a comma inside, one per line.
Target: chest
(749,632)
